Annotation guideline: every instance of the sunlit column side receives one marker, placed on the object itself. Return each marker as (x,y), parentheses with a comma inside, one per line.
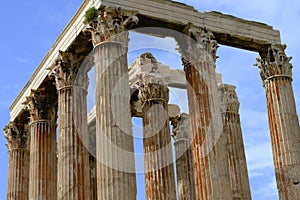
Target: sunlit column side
(184,157)
(159,170)
(71,81)
(208,144)
(18,144)
(276,73)
(235,150)
(114,139)
(42,174)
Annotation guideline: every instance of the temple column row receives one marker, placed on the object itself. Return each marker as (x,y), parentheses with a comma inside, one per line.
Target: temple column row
(114,141)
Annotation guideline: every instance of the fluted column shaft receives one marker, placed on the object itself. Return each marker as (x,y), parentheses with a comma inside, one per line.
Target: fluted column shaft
(159,170)
(276,73)
(73,182)
(73,159)
(18,162)
(114,140)
(184,157)
(235,150)
(285,136)
(208,144)
(42,182)
(42,175)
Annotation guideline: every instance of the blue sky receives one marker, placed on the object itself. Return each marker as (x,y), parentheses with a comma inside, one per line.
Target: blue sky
(29,28)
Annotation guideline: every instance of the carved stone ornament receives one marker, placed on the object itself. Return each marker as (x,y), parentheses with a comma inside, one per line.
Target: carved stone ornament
(274,62)
(181,127)
(199,45)
(110,24)
(228,98)
(16,139)
(152,87)
(68,72)
(40,105)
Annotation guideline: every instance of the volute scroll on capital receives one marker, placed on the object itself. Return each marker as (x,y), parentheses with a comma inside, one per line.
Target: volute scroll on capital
(69,71)
(274,63)
(16,138)
(110,24)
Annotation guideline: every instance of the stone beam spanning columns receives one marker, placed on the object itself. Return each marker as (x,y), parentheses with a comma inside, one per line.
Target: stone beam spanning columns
(73,159)
(159,171)
(18,142)
(198,50)
(235,150)
(114,139)
(276,73)
(42,175)
(184,158)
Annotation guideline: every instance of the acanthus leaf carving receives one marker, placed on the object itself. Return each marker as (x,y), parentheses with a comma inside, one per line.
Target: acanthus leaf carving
(40,105)
(274,62)
(16,138)
(110,25)
(152,87)
(198,45)
(68,72)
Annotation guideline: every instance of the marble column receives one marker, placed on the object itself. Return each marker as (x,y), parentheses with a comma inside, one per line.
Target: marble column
(184,157)
(73,177)
(208,144)
(114,139)
(159,170)
(276,73)
(18,144)
(236,152)
(42,174)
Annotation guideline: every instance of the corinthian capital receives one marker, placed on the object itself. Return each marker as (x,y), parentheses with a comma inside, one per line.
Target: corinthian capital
(198,44)
(274,63)
(153,88)
(68,72)
(109,24)
(16,139)
(41,105)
